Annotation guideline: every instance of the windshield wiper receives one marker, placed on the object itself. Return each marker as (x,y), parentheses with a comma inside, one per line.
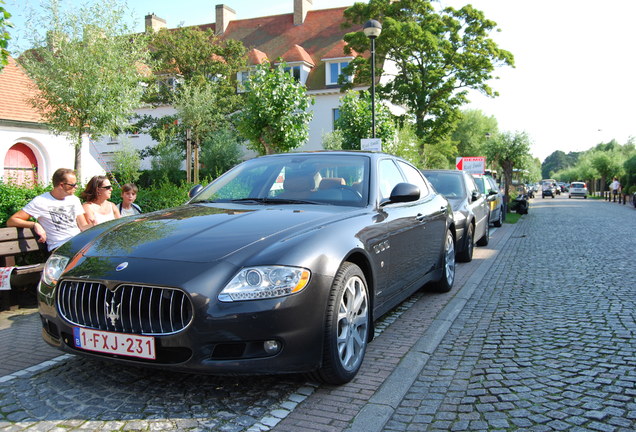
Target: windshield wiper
(276,201)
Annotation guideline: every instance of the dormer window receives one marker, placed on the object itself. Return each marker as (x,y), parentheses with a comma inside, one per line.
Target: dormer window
(170,83)
(241,79)
(334,70)
(295,71)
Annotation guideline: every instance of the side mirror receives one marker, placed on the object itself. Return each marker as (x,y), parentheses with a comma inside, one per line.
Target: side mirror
(194,191)
(492,192)
(475,196)
(404,192)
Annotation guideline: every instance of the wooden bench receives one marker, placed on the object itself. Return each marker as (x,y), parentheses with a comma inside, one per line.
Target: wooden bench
(18,246)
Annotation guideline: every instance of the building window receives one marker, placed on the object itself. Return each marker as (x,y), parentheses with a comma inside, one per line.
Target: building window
(335,113)
(294,71)
(335,70)
(241,79)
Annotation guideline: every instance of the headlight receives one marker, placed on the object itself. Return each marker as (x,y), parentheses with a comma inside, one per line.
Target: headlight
(254,283)
(53,269)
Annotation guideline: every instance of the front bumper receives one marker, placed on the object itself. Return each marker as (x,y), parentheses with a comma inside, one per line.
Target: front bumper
(226,338)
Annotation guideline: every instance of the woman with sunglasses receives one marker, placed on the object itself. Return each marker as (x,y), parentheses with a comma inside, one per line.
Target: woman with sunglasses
(96,196)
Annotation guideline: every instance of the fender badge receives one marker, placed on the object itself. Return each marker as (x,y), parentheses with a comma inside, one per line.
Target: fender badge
(121,266)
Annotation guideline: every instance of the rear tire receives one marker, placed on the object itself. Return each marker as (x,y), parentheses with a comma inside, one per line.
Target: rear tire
(445,283)
(499,221)
(346,326)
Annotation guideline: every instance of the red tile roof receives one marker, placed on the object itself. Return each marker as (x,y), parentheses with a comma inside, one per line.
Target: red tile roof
(298,54)
(337,51)
(275,35)
(256,57)
(15,90)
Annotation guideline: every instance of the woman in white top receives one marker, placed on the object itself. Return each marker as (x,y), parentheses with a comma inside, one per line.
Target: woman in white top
(97,206)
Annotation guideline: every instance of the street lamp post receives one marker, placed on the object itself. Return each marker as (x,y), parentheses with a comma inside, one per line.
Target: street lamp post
(372,30)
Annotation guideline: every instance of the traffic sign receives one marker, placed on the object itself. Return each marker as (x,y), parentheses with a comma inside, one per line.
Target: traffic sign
(472,165)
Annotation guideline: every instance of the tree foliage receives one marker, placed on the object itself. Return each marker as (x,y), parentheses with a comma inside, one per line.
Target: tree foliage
(4,35)
(472,132)
(509,150)
(194,56)
(439,56)
(354,121)
(87,70)
(126,163)
(274,116)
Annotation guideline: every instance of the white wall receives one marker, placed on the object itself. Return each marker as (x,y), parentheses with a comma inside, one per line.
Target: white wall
(52,152)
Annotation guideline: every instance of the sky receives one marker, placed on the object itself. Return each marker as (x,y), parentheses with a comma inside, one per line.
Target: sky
(574,81)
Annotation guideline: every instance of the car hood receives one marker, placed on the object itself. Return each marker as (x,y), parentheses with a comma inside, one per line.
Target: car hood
(204,233)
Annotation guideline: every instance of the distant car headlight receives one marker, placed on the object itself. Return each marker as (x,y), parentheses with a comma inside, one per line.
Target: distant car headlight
(53,269)
(255,283)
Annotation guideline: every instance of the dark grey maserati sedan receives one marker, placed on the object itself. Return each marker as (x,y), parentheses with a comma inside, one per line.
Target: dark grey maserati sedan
(281,265)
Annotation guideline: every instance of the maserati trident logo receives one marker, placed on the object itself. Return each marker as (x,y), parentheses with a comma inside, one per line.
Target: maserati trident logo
(113,311)
(121,266)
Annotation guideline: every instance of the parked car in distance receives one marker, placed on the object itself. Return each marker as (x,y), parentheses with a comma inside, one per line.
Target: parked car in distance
(577,189)
(280,265)
(489,187)
(470,209)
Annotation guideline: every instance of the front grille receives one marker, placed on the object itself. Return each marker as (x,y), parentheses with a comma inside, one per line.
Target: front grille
(128,308)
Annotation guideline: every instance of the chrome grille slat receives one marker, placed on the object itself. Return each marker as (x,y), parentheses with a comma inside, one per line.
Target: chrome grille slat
(135,309)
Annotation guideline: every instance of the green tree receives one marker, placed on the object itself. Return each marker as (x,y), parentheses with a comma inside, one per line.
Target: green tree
(355,120)
(220,152)
(126,163)
(87,70)
(608,164)
(274,117)
(509,151)
(200,110)
(439,55)
(4,35)
(553,163)
(472,132)
(193,55)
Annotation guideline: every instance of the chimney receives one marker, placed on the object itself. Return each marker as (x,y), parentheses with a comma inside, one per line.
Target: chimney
(224,15)
(154,23)
(301,7)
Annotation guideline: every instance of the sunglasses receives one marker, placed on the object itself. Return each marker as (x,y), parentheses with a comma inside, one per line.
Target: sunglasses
(73,185)
(106,187)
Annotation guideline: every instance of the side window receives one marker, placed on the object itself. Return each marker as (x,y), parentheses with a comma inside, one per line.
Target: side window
(414,176)
(388,176)
(470,184)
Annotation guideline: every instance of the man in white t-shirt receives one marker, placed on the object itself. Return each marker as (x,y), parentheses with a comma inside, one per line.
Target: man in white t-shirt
(59,214)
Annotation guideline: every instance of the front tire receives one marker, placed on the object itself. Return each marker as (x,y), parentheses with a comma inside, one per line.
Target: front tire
(466,255)
(346,327)
(445,283)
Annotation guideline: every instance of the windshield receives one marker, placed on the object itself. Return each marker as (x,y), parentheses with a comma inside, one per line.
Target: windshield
(318,178)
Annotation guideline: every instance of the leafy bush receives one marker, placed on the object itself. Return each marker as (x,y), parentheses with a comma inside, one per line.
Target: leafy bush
(161,196)
(13,198)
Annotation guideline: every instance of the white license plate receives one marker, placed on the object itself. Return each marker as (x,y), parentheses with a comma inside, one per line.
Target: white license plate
(115,343)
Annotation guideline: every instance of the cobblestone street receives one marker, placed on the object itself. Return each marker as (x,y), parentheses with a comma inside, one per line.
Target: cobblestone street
(548,340)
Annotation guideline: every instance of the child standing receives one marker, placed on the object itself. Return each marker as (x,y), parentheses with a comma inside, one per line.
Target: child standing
(128,196)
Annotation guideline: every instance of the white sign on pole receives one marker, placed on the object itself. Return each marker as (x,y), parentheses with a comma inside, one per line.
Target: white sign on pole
(472,165)
(371,144)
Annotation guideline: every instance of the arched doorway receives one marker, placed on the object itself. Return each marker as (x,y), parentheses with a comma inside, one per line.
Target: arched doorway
(20,166)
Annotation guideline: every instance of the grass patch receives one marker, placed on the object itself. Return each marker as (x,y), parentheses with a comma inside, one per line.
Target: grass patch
(512,218)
